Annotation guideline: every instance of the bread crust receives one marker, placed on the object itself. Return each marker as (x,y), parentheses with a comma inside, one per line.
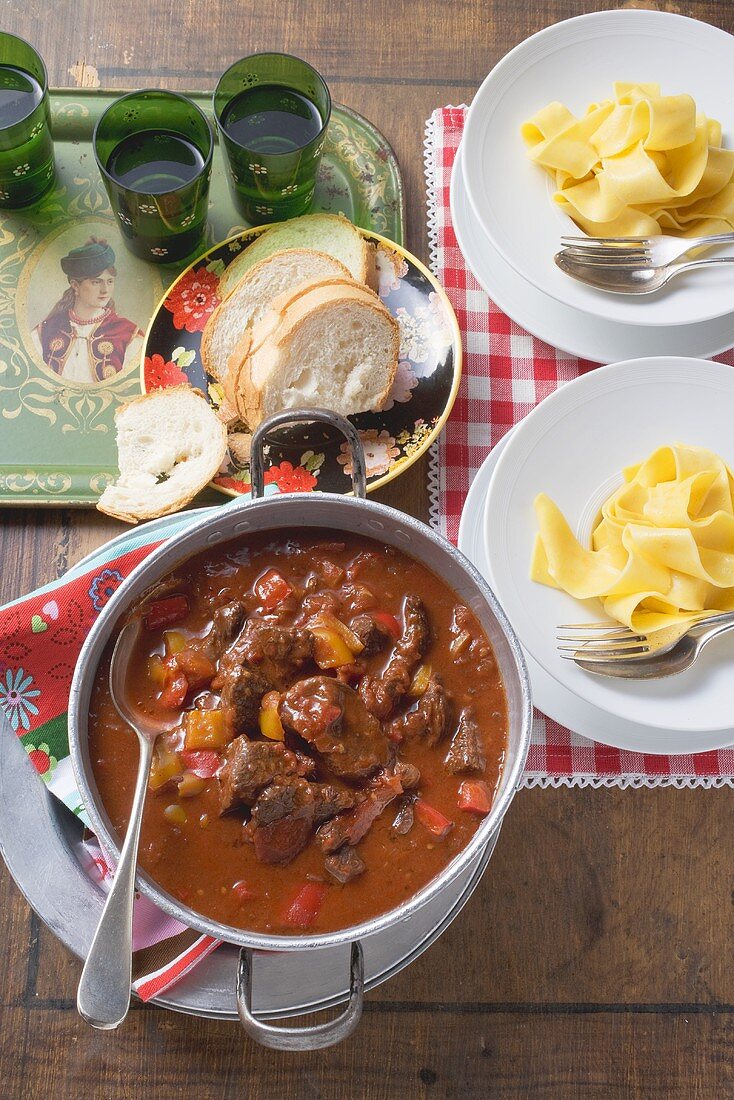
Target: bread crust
(151,511)
(362,275)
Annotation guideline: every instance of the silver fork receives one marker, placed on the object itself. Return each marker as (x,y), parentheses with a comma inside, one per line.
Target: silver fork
(618,651)
(635,251)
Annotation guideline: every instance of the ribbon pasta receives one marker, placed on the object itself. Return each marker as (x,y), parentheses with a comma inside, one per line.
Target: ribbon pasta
(639,165)
(663,551)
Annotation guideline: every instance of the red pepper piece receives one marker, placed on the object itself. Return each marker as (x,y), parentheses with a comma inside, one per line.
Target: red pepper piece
(389,622)
(432,819)
(174,692)
(198,669)
(165,612)
(306,905)
(271,589)
(243,892)
(474,797)
(202,762)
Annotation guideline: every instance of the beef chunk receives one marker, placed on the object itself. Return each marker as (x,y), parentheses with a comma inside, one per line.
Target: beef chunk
(286,811)
(330,801)
(276,652)
(332,718)
(282,840)
(282,820)
(250,766)
(345,864)
(373,635)
(416,637)
(380,693)
(466,753)
(226,625)
(332,834)
(426,721)
(306,764)
(349,828)
(286,795)
(408,774)
(241,690)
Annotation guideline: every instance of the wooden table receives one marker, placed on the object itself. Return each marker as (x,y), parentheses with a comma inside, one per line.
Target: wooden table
(594,960)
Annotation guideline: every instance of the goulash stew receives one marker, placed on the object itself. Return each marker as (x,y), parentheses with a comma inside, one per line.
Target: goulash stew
(340,728)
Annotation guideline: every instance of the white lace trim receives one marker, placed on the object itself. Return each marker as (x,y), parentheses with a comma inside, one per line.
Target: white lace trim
(627,780)
(680,782)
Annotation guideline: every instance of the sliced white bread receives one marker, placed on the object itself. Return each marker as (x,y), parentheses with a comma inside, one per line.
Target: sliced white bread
(252,295)
(170,444)
(330,233)
(331,344)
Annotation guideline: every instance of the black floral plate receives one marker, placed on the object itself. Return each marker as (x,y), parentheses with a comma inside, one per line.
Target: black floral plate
(307,458)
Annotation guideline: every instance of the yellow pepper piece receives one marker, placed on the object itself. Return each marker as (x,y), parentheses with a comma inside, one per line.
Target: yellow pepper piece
(190,785)
(165,767)
(175,641)
(175,814)
(330,622)
(205,729)
(156,671)
(270,724)
(330,650)
(420,681)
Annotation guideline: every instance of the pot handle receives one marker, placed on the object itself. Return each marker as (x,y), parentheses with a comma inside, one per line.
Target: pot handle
(313,1037)
(294,416)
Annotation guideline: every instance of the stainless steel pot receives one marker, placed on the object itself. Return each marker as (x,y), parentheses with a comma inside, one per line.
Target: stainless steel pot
(355,515)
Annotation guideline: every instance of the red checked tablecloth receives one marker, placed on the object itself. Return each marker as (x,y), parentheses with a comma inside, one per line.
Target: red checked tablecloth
(506,373)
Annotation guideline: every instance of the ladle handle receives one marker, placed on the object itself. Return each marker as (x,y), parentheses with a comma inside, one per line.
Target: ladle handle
(103,997)
(295,416)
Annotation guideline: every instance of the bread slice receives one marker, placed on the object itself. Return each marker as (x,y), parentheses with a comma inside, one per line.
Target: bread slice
(331,344)
(252,295)
(170,444)
(330,233)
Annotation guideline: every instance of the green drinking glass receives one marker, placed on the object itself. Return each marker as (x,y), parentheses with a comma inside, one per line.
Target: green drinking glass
(272,111)
(154,151)
(26,148)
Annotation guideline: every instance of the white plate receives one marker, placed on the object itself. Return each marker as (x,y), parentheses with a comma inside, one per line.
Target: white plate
(573,446)
(577,62)
(550,697)
(560,325)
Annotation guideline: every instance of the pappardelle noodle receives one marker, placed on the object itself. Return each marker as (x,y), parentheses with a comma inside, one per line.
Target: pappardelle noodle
(638,165)
(663,551)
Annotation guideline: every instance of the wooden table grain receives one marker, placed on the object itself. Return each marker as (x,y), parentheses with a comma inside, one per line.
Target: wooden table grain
(594,959)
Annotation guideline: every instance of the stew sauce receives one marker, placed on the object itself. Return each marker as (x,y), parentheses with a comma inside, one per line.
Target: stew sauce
(340,731)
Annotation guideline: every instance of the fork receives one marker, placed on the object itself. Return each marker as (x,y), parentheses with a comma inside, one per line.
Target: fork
(621,652)
(637,251)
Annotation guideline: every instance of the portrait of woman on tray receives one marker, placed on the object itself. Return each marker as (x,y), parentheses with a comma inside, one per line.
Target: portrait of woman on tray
(83,339)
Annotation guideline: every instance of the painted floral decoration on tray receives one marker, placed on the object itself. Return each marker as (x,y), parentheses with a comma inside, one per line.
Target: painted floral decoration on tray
(303,459)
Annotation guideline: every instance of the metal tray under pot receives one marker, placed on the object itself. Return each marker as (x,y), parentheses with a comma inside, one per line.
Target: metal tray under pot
(435,902)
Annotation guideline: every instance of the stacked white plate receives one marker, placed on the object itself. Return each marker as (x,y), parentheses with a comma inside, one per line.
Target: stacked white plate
(506,224)
(573,447)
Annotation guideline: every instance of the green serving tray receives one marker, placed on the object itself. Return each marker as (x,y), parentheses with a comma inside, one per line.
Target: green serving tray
(57,439)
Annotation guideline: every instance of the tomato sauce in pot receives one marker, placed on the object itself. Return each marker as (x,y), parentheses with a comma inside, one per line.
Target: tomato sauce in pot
(339,730)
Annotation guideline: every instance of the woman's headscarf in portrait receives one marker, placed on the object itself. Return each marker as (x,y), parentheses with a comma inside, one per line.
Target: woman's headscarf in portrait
(86,262)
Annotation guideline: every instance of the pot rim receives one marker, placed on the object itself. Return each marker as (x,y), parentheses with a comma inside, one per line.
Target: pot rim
(177,551)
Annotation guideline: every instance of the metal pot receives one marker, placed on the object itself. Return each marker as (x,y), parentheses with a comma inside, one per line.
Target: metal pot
(355,515)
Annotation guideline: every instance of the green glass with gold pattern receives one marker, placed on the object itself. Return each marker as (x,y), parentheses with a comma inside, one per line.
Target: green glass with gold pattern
(154,152)
(272,111)
(26,147)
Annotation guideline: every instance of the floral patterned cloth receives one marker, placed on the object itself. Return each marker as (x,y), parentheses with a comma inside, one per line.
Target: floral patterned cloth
(40,639)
